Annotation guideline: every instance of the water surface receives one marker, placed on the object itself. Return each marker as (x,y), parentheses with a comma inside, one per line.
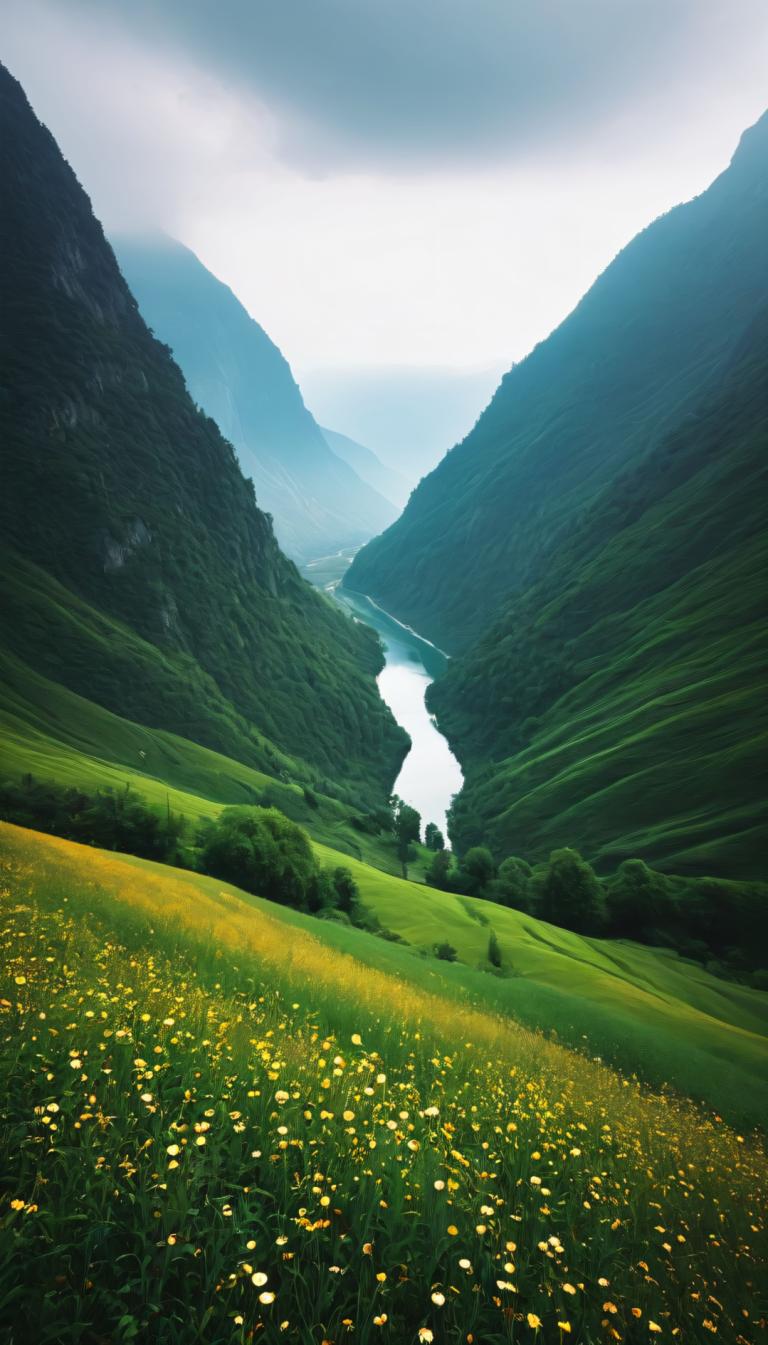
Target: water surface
(430,775)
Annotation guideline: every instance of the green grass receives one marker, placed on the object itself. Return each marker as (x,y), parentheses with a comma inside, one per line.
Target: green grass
(190,1098)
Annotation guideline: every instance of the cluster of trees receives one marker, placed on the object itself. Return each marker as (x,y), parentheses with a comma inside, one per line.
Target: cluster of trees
(258,849)
(262,851)
(114,819)
(702,918)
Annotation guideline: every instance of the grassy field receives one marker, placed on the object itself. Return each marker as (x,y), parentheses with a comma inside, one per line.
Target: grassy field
(217,1133)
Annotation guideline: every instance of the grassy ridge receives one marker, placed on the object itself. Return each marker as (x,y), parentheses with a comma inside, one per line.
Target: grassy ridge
(645,1011)
(212,1130)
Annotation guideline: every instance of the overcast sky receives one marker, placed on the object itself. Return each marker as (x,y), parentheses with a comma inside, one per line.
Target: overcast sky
(394,182)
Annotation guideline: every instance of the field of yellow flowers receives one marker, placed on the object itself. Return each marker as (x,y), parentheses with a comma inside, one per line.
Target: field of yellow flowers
(215,1128)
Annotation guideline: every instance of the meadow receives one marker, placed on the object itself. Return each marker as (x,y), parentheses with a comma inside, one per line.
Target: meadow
(220,1127)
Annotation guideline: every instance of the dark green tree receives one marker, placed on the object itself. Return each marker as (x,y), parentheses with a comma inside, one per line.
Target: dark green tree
(512,885)
(438,873)
(494,951)
(433,837)
(571,894)
(407,830)
(476,871)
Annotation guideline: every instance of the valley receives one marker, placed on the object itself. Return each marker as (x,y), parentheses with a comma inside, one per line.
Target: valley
(382,870)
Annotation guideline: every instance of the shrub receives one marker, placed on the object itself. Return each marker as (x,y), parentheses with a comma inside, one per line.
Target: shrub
(445,952)
(111,819)
(494,951)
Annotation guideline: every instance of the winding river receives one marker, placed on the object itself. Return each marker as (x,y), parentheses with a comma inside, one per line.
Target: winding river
(430,774)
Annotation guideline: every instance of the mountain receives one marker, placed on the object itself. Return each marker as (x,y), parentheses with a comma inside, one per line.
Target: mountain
(137,569)
(618,705)
(408,416)
(239,377)
(388,482)
(594,556)
(627,364)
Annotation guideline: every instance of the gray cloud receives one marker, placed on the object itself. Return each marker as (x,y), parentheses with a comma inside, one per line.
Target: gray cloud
(409,82)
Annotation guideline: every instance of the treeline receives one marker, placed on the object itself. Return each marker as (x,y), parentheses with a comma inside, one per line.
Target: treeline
(720,923)
(255,848)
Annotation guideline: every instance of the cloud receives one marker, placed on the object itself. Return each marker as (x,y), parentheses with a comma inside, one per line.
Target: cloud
(402,83)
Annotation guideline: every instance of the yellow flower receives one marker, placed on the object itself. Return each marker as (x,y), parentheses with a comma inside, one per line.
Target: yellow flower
(20,980)
(173,1150)
(438,1299)
(452,1231)
(356,1039)
(564,1326)
(17,1204)
(425,1335)
(654,1326)
(266,1297)
(258,1278)
(533,1321)
(380,1320)
(569,1289)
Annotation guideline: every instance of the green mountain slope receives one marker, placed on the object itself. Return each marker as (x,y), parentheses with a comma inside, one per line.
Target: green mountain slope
(634,356)
(619,703)
(317,500)
(137,568)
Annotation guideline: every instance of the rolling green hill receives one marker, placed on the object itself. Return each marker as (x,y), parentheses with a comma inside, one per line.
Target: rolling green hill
(618,705)
(137,569)
(223,1120)
(643,1010)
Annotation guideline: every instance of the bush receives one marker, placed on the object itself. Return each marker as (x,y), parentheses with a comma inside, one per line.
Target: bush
(445,952)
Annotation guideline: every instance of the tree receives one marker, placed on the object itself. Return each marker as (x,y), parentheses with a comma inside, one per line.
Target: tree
(437,874)
(512,885)
(263,851)
(639,899)
(571,893)
(407,830)
(433,837)
(494,951)
(476,870)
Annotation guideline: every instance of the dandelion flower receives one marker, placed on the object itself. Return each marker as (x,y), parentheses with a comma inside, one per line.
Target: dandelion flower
(425,1335)
(533,1321)
(259,1278)
(267,1297)
(438,1299)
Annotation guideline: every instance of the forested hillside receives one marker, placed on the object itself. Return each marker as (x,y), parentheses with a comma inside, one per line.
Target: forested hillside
(619,704)
(630,362)
(137,569)
(317,500)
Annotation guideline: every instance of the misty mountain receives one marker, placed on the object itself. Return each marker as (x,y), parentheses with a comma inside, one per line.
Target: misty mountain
(239,377)
(137,569)
(594,553)
(388,482)
(623,368)
(408,416)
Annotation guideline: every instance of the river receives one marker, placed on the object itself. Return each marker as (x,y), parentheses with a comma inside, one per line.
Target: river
(430,774)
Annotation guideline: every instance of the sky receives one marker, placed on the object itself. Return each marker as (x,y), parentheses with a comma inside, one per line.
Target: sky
(427,185)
